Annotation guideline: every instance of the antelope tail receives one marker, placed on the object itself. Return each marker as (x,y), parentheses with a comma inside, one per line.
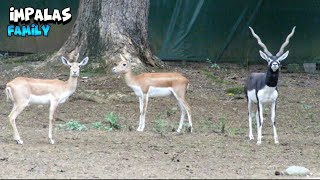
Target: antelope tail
(9,94)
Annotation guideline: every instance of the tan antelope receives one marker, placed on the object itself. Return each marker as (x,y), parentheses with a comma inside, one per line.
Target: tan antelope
(24,91)
(155,85)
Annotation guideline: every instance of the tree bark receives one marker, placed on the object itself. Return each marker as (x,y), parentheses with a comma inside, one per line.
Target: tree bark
(104,29)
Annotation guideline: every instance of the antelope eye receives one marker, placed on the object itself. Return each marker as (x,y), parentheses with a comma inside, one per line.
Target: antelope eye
(124,65)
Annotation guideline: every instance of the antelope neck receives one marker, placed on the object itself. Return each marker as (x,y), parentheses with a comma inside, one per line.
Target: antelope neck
(272,77)
(72,83)
(129,77)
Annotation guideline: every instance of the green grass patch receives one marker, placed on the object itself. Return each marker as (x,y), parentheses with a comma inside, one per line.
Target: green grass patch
(220,127)
(73,126)
(160,126)
(213,77)
(305,105)
(235,91)
(212,64)
(112,120)
(97,125)
(89,71)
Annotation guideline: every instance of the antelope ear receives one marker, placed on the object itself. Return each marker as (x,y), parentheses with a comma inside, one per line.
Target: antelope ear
(264,56)
(84,61)
(65,61)
(283,56)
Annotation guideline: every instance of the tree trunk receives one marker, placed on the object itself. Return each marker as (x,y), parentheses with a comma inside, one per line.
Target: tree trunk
(104,29)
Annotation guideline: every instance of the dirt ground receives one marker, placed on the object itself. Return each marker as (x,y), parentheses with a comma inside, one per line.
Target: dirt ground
(219,147)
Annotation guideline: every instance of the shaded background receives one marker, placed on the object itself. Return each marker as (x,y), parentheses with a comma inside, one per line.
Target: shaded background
(198,30)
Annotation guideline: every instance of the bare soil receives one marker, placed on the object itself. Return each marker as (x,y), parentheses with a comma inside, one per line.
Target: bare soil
(219,147)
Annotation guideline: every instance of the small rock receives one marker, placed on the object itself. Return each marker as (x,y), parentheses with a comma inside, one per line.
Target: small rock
(277,173)
(297,171)
(4,159)
(174,109)
(61,170)
(18,68)
(121,95)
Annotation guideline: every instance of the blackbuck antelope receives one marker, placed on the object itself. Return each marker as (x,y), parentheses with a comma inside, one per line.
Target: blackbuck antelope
(154,85)
(261,88)
(25,91)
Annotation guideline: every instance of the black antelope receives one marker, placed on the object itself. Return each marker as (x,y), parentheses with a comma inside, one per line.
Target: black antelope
(261,88)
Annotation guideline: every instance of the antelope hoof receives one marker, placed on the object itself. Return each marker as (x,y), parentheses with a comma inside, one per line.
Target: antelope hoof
(19,141)
(259,142)
(51,141)
(251,137)
(276,141)
(139,129)
(178,131)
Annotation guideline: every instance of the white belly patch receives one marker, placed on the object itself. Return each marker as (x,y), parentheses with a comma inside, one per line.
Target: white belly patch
(44,99)
(159,91)
(153,91)
(64,97)
(266,95)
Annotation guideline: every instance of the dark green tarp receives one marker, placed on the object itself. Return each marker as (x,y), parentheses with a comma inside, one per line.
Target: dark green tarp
(218,29)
